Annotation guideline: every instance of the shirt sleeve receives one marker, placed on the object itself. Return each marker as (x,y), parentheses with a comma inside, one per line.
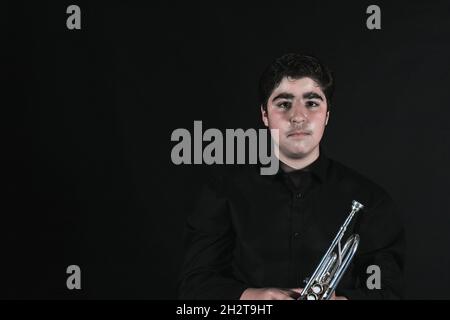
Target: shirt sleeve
(209,242)
(381,251)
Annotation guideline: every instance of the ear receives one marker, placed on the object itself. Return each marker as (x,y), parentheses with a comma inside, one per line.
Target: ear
(265,119)
(327,117)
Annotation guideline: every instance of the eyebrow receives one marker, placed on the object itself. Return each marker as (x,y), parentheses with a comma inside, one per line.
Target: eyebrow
(312,95)
(290,96)
(284,95)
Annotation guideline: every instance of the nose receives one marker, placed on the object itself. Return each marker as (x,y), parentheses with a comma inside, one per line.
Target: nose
(298,114)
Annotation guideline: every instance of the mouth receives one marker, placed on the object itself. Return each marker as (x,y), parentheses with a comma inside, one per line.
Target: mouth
(299,134)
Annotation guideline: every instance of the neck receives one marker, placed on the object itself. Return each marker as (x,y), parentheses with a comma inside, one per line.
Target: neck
(289,164)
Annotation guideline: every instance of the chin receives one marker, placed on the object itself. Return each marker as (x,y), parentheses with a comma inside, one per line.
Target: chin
(300,150)
(295,153)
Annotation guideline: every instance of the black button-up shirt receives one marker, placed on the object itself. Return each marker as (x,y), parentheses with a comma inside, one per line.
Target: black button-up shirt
(253,231)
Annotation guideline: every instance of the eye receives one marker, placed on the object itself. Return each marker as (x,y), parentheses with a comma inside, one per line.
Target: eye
(311,104)
(284,105)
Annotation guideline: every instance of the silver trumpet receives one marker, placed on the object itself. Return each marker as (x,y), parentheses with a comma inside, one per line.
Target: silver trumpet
(333,265)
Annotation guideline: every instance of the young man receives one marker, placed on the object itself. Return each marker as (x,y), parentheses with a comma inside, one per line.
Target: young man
(259,237)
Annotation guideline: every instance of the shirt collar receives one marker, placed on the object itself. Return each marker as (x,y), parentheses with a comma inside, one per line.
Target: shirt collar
(318,168)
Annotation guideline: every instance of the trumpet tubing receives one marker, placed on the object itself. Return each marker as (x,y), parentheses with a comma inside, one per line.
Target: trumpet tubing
(333,265)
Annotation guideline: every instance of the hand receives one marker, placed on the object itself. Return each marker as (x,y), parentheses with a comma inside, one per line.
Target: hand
(335,297)
(271,294)
(277,294)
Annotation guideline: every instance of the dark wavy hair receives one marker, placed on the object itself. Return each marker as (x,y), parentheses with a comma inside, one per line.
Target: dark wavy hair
(295,66)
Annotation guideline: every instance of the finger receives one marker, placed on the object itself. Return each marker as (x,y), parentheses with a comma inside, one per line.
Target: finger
(335,297)
(298,290)
(295,292)
(285,295)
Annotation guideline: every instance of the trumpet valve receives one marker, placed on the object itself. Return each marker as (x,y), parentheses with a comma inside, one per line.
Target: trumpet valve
(312,296)
(317,289)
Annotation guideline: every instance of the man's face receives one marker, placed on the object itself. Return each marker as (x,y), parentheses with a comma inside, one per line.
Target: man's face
(298,109)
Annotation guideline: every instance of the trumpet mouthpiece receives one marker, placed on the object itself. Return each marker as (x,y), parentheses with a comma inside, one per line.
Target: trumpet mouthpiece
(356,206)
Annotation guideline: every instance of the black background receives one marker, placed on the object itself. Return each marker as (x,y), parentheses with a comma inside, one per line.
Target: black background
(89,115)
